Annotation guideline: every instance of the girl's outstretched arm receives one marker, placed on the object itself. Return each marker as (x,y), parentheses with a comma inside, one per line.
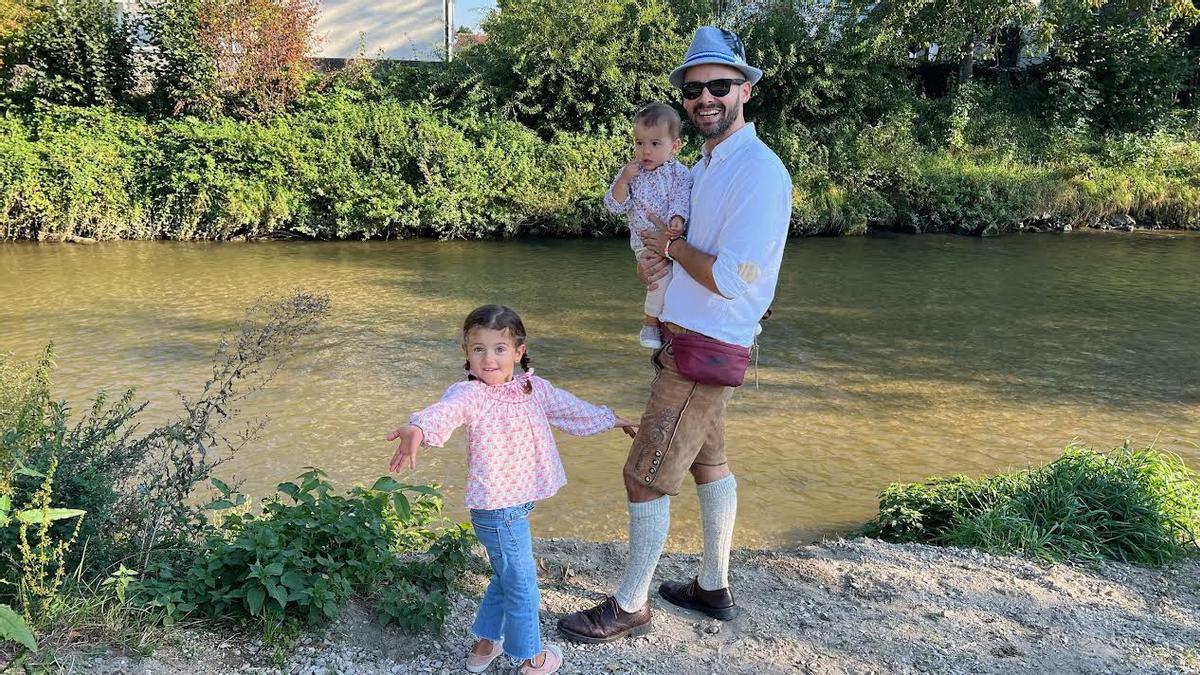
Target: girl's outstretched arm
(573,414)
(432,426)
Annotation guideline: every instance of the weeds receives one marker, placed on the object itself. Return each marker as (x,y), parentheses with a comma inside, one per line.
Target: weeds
(1139,506)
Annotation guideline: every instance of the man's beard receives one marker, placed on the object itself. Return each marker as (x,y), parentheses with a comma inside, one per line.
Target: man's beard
(723,121)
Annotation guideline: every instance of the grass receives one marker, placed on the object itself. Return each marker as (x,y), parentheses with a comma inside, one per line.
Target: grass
(1139,506)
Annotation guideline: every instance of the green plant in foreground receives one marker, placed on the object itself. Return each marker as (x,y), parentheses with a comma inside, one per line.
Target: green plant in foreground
(1138,506)
(311,550)
(13,628)
(43,549)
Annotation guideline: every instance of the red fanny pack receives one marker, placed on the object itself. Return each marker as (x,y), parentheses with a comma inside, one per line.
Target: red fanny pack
(704,360)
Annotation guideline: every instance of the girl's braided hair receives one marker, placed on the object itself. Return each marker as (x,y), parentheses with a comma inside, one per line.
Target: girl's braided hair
(502,318)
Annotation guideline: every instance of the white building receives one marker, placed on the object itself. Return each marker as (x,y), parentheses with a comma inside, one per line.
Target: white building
(408,30)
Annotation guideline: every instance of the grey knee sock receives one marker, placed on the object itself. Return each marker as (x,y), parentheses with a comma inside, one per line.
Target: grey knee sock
(649,523)
(718,510)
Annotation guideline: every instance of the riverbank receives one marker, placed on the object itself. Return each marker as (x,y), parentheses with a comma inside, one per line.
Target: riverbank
(352,170)
(860,606)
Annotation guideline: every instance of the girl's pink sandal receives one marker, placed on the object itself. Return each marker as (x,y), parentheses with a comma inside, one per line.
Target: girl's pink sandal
(551,664)
(477,663)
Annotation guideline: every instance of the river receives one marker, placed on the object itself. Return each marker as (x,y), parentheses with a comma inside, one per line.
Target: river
(888,358)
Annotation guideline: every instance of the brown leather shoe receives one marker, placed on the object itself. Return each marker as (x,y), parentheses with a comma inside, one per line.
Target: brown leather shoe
(605,622)
(687,594)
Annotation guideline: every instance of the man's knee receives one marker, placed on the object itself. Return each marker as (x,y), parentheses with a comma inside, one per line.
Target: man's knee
(707,473)
(637,492)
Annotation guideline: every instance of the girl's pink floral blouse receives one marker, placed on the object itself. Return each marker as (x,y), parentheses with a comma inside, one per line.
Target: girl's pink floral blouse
(511,455)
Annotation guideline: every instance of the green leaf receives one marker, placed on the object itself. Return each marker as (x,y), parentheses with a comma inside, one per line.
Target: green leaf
(278,593)
(33,516)
(293,580)
(5,505)
(387,484)
(274,569)
(218,504)
(222,486)
(289,489)
(424,489)
(254,598)
(23,470)
(402,505)
(12,627)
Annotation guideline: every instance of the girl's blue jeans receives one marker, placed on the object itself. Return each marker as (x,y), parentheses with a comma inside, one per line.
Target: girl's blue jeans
(510,606)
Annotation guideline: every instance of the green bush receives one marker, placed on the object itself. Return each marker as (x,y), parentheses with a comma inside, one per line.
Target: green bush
(72,52)
(1114,70)
(818,72)
(137,490)
(308,553)
(344,170)
(562,65)
(76,171)
(1138,506)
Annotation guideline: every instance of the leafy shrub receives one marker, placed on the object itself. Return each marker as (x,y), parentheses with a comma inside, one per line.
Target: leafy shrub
(1138,506)
(818,72)
(307,554)
(560,65)
(74,52)
(137,491)
(245,57)
(1116,69)
(76,172)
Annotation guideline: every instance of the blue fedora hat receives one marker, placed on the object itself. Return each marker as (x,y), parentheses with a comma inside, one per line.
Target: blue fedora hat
(715,45)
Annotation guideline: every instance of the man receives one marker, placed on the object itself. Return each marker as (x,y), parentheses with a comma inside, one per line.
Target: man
(724,280)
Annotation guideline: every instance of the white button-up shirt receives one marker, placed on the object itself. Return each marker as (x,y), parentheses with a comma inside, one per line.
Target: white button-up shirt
(741,206)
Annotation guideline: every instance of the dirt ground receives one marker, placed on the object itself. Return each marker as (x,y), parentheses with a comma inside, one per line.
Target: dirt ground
(859,606)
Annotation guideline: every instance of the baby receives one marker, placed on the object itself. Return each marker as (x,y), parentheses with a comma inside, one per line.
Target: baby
(653,183)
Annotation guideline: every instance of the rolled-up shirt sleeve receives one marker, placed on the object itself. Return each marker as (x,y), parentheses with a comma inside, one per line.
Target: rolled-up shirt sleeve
(759,208)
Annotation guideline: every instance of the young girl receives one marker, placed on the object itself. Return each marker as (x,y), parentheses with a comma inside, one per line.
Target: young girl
(511,463)
(653,183)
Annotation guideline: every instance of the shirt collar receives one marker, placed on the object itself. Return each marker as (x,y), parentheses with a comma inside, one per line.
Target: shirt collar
(730,145)
(512,391)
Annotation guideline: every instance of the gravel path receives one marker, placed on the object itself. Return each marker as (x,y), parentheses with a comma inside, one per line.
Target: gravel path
(860,606)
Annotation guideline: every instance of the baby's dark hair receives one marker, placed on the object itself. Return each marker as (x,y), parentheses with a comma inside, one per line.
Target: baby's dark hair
(497,317)
(654,114)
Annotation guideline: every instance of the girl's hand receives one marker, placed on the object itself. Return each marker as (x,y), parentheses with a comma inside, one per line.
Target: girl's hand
(625,425)
(410,439)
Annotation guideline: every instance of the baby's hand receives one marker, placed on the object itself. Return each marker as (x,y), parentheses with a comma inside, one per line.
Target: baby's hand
(625,425)
(675,227)
(631,170)
(410,439)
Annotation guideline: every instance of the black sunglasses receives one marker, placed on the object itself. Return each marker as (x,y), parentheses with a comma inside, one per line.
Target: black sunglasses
(718,88)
